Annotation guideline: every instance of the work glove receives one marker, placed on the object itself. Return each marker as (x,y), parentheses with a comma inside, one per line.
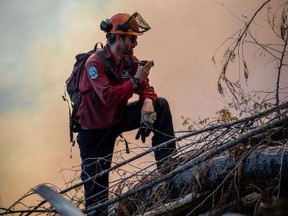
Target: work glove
(146,125)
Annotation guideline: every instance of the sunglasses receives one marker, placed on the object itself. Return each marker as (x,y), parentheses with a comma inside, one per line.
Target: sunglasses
(132,38)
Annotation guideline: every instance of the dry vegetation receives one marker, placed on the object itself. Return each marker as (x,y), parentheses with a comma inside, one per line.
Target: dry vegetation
(221,167)
(230,163)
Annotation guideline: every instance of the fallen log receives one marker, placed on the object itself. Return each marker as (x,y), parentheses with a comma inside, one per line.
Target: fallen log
(219,183)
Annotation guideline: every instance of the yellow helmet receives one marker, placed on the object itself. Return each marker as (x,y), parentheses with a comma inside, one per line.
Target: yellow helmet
(124,23)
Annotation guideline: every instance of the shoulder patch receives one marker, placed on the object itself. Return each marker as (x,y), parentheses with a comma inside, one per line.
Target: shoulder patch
(93,72)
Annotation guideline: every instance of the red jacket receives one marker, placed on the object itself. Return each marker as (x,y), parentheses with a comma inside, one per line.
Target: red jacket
(103,98)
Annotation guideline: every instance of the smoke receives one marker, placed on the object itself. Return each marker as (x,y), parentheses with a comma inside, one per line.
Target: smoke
(39,40)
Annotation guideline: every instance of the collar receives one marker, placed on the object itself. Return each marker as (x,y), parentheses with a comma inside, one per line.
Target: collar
(107,52)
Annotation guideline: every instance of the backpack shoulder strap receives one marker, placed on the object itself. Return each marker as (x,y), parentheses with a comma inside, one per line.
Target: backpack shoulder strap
(109,69)
(96,46)
(129,63)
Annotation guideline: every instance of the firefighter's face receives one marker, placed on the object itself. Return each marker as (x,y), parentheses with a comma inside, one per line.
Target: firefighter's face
(127,44)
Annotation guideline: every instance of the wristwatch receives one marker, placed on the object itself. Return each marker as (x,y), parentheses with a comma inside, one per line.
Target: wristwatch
(136,82)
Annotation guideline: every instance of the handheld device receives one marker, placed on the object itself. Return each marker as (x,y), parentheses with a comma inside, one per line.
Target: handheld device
(143,62)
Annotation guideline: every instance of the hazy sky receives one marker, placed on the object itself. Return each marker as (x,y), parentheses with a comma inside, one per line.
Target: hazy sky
(39,40)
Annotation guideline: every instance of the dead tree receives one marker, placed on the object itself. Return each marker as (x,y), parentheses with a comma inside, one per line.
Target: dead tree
(247,38)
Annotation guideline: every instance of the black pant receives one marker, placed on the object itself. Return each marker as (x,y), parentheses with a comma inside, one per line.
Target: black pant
(96,147)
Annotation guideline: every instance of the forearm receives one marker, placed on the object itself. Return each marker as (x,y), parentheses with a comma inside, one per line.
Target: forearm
(148,106)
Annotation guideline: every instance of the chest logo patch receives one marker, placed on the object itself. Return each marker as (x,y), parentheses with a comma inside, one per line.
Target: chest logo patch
(93,72)
(125,74)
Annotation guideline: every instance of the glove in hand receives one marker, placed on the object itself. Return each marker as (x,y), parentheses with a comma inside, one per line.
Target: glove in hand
(146,125)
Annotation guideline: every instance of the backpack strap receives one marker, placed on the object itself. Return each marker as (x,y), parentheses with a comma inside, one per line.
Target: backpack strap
(111,74)
(129,63)
(96,46)
(109,69)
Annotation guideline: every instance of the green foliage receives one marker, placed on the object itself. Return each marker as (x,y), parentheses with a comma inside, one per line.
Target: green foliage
(224,115)
(249,106)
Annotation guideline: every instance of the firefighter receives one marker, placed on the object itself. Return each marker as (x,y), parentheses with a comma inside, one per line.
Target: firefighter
(108,81)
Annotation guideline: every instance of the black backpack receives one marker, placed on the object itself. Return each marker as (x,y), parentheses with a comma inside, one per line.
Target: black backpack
(72,88)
